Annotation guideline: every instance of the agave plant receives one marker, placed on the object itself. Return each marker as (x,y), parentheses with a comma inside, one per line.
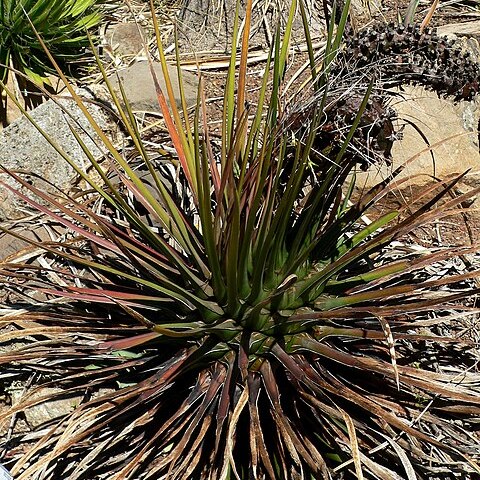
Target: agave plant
(226,313)
(62,25)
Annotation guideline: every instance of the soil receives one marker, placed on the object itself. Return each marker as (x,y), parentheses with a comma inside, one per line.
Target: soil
(462,228)
(445,13)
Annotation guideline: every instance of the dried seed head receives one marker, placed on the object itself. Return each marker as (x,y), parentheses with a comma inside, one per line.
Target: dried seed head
(400,54)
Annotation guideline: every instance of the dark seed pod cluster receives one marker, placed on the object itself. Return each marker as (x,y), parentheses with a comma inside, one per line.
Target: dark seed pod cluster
(405,55)
(375,132)
(393,55)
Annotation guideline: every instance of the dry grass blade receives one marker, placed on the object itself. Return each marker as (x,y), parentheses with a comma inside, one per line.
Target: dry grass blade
(428,17)
(354,445)
(409,470)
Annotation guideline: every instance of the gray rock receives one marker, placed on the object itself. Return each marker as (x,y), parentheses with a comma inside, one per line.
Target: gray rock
(58,405)
(23,148)
(139,88)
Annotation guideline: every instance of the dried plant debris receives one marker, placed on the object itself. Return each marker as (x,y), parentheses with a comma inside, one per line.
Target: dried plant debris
(390,56)
(406,55)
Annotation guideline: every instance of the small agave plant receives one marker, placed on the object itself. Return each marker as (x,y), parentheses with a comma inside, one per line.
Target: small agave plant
(232,317)
(62,25)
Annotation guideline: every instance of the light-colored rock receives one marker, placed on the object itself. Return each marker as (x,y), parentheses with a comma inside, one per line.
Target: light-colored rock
(469,45)
(49,409)
(139,87)
(438,119)
(12,112)
(23,148)
(460,29)
(125,41)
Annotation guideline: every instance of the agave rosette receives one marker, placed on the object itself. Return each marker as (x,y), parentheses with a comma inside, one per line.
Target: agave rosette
(62,25)
(241,326)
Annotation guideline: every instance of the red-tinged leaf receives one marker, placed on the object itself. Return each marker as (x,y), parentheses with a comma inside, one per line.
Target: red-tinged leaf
(322,332)
(189,330)
(373,311)
(126,343)
(409,266)
(108,296)
(82,230)
(189,234)
(242,72)
(142,249)
(214,167)
(101,298)
(84,222)
(225,399)
(175,137)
